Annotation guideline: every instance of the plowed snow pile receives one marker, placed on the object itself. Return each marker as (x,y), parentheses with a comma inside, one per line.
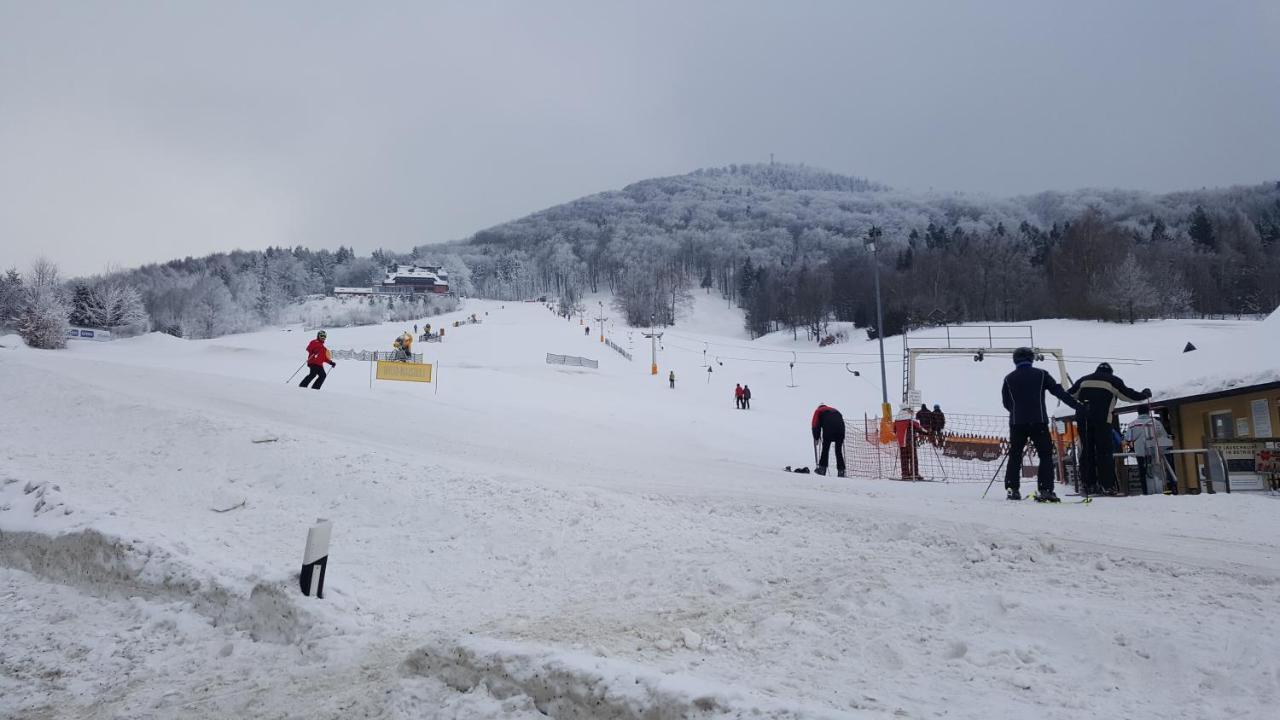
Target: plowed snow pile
(526,540)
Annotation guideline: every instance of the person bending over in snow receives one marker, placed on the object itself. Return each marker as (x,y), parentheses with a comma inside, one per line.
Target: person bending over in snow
(828,428)
(317,356)
(1099,390)
(1023,396)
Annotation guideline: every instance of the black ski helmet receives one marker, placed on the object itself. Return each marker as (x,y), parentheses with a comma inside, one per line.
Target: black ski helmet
(322,335)
(1104,367)
(1024,354)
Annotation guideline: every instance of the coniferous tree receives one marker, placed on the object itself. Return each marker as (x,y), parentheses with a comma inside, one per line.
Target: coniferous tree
(1201,229)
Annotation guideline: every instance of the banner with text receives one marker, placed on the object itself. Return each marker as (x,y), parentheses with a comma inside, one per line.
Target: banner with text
(405,371)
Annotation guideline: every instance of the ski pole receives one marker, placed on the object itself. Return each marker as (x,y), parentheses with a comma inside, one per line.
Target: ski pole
(993,477)
(295,373)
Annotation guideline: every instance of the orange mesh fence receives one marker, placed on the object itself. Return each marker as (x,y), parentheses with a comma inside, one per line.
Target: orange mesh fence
(959,448)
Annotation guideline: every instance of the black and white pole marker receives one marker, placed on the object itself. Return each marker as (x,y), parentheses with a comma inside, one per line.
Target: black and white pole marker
(316,558)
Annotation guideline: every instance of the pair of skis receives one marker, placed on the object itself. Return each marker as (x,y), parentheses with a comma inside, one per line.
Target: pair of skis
(1084,500)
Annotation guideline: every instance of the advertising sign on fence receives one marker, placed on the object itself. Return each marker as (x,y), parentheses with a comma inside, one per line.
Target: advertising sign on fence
(88,334)
(973,448)
(405,371)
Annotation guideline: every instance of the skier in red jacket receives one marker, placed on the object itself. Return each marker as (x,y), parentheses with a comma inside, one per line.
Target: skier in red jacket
(909,433)
(317,356)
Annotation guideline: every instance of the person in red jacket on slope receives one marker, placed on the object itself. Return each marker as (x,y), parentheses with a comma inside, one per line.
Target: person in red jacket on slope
(317,356)
(909,433)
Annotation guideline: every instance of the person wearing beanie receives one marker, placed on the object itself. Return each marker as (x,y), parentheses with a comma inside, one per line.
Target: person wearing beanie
(1023,396)
(1099,391)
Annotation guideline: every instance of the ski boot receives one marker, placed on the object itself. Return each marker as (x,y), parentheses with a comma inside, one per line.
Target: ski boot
(840,473)
(1048,497)
(1012,494)
(821,470)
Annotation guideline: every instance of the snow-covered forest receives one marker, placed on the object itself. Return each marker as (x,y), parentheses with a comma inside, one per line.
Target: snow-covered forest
(788,244)
(210,296)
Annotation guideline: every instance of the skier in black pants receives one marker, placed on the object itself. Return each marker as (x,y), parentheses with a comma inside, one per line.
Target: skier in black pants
(317,356)
(1023,396)
(828,425)
(1100,389)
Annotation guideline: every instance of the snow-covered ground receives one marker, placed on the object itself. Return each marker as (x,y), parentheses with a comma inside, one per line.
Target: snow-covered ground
(524,540)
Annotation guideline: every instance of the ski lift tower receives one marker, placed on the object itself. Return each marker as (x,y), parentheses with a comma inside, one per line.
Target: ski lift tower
(977,341)
(654,336)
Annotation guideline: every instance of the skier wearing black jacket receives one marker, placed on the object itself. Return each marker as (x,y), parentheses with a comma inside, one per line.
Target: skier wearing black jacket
(828,428)
(1023,396)
(1099,390)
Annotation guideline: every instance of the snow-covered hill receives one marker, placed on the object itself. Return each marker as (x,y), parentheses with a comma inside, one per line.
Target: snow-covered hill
(524,540)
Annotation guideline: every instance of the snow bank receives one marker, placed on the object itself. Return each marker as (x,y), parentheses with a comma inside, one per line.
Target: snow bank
(11,342)
(567,685)
(101,565)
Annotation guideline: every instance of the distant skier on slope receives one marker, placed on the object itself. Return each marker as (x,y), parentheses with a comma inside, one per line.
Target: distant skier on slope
(746,397)
(828,428)
(672,379)
(737,396)
(317,356)
(1023,396)
(1100,389)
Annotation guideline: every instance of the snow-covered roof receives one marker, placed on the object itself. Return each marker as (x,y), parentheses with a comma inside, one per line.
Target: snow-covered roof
(1250,359)
(422,272)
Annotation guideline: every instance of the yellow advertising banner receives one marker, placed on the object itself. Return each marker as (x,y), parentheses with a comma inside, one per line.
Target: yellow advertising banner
(406,371)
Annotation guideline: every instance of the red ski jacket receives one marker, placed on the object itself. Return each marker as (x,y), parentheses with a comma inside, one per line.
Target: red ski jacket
(827,422)
(317,353)
(907,431)
(737,392)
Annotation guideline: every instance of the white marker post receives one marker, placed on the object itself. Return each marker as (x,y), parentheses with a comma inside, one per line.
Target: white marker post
(315,559)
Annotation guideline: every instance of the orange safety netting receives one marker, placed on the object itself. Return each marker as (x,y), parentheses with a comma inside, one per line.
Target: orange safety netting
(965,448)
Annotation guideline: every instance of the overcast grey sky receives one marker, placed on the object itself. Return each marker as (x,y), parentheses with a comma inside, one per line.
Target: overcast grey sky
(133,132)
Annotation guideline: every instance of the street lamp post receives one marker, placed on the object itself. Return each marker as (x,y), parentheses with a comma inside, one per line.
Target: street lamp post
(886,423)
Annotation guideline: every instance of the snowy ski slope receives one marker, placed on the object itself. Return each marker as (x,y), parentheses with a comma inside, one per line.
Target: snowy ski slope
(525,540)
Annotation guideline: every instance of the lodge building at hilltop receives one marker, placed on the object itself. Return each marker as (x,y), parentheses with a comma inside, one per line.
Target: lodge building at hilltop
(404,280)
